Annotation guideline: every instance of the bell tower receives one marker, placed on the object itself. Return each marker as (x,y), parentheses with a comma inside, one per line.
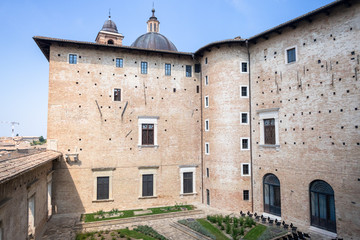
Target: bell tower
(109,34)
(153,25)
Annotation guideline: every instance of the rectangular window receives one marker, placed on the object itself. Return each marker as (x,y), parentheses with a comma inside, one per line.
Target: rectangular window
(147,185)
(244,91)
(117,94)
(144,67)
(206,80)
(208,196)
(207,172)
(269,131)
(244,118)
(206,101)
(291,55)
(188,71)
(102,191)
(246,195)
(244,67)
(167,69)
(197,68)
(188,182)
(197,89)
(245,169)
(72,58)
(207,148)
(119,62)
(245,144)
(147,134)
(207,125)
(206,61)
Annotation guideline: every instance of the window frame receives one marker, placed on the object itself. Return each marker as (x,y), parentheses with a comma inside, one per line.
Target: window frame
(247,91)
(167,69)
(100,172)
(206,101)
(287,57)
(247,66)
(144,70)
(187,169)
(148,129)
(188,74)
(247,118)
(268,114)
(114,91)
(148,120)
(247,194)
(121,62)
(76,58)
(206,81)
(207,125)
(242,170)
(207,148)
(148,170)
(241,144)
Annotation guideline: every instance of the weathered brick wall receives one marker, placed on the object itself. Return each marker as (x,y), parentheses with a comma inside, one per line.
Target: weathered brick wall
(225,182)
(111,140)
(318,97)
(14,213)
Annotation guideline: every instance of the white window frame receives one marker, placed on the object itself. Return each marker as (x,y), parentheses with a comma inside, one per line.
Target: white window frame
(148,120)
(184,169)
(247,66)
(207,148)
(206,101)
(286,55)
(247,91)
(113,94)
(206,81)
(77,58)
(103,173)
(247,118)
(242,172)
(268,114)
(144,171)
(207,125)
(241,145)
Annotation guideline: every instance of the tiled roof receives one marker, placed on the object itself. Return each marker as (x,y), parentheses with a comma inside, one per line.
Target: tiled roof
(13,167)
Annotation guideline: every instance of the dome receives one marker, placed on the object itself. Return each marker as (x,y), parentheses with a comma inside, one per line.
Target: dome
(154,40)
(109,26)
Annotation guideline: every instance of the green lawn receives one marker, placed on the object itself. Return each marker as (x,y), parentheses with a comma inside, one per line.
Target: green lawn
(212,229)
(255,233)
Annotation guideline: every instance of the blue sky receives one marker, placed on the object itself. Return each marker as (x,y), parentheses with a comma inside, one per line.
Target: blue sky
(189,24)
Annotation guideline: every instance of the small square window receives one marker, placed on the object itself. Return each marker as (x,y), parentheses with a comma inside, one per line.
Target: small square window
(188,71)
(207,125)
(207,148)
(245,144)
(144,67)
(246,195)
(117,94)
(147,185)
(72,58)
(206,101)
(244,118)
(245,169)
(244,91)
(167,69)
(102,191)
(244,67)
(119,62)
(291,55)
(206,80)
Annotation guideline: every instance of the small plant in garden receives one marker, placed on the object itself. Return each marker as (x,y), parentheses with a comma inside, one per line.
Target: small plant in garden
(102,238)
(241,221)
(242,231)
(114,238)
(235,222)
(228,228)
(234,233)
(222,227)
(100,212)
(112,234)
(107,231)
(121,235)
(219,221)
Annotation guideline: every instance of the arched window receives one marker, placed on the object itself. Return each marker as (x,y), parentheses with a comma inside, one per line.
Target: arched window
(150,27)
(110,41)
(272,202)
(322,205)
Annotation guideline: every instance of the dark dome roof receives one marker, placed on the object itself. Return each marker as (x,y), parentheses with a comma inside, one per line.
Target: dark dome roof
(109,26)
(153,40)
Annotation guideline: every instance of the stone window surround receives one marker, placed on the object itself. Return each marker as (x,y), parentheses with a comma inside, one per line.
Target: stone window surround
(296,54)
(247,66)
(207,152)
(143,170)
(247,91)
(241,146)
(268,114)
(208,124)
(148,120)
(242,173)
(183,169)
(103,172)
(247,114)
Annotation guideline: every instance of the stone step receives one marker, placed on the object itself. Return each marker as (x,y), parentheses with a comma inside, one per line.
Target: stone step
(89,226)
(188,231)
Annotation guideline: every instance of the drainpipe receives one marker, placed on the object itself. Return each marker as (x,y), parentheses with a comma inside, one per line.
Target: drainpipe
(251,138)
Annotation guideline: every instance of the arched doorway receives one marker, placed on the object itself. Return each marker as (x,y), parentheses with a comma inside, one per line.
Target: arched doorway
(272,201)
(322,205)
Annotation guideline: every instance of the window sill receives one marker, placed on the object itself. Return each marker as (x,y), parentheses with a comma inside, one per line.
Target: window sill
(188,194)
(272,216)
(147,197)
(269,146)
(148,146)
(103,200)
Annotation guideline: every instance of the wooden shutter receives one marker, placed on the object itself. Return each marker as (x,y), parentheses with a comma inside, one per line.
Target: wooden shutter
(148,185)
(102,188)
(188,182)
(269,131)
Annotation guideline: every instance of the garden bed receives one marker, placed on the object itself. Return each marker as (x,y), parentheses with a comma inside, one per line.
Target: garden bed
(116,214)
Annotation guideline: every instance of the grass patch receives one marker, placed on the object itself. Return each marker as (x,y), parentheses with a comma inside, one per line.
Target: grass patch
(134,234)
(255,233)
(213,230)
